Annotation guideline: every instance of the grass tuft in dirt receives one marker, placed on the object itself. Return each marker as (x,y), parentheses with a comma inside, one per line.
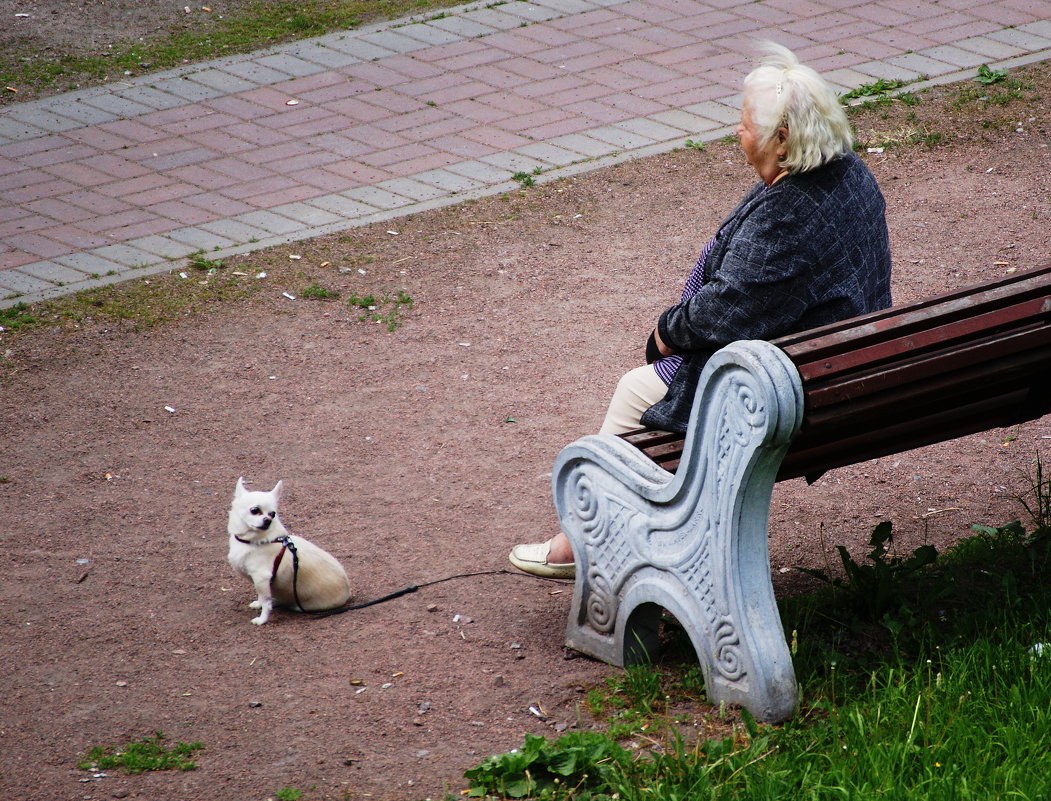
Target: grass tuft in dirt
(145,755)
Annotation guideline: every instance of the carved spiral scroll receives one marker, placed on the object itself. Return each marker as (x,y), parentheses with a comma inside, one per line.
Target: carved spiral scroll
(728,659)
(589,508)
(602,604)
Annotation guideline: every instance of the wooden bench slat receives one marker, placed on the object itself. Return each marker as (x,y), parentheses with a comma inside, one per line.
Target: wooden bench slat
(841,336)
(981,324)
(914,371)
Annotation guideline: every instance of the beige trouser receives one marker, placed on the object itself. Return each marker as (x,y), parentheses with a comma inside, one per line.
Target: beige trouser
(637,391)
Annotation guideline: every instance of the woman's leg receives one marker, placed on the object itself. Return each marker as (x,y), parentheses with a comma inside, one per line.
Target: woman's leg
(636,391)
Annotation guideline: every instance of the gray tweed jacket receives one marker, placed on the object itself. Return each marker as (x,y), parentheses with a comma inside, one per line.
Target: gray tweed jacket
(812,249)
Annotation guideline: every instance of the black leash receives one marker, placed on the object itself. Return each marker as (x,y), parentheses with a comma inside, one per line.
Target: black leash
(286,541)
(414,587)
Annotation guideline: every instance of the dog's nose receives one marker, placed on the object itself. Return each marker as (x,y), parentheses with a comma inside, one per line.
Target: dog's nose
(265,523)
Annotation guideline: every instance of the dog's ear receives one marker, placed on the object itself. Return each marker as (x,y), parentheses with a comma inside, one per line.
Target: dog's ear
(239,489)
(276,491)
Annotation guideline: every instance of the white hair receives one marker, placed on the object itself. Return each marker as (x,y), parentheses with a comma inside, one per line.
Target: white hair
(782,93)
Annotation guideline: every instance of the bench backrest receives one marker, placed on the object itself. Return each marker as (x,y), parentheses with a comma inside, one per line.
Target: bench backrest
(912,375)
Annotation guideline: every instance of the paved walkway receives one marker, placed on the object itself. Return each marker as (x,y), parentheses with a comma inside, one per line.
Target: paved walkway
(114,182)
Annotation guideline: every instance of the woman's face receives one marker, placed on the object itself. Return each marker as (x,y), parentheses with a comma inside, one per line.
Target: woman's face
(764,157)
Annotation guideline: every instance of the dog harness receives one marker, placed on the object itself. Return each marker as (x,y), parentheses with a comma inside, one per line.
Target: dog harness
(285,541)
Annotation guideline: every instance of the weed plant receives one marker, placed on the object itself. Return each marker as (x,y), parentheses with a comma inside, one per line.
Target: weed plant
(145,755)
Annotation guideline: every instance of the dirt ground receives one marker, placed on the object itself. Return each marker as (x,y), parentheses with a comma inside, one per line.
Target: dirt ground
(415,455)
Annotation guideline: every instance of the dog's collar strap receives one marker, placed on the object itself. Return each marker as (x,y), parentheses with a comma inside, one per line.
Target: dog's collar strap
(282,540)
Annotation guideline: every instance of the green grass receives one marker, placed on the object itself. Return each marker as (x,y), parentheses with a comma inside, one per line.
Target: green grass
(257,25)
(934,694)
(387,309)
(145,755)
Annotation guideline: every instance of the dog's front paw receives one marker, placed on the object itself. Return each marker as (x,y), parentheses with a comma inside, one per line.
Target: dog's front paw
(259,621)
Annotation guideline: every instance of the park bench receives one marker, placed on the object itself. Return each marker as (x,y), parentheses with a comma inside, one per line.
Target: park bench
(662,521)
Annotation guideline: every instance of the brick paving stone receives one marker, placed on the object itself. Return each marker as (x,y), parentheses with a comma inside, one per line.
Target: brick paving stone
(308,215)
(287,63)
(625,140)
(921,65)
(392,42)
(54,273)
(234,230)
(187,89)
(64,155)
(651,129)
(217,204)
(150,98)
(117,220)
(39,190)
(95,203)
(17,281)
(60,210)
(530,12)
(1022,39)
(39,117)
(423,163)
(597,112)
(225,82)
(494,18)
(552,154)
(513,163)
(990,48)
(39,245)
(14,258)
(124,254)
(380,198)
(525,124)
(12,130)
(1040,28)
(429,34)
(343,206)
(270,222)
(75,238)
(325,56)
(415,190)
(124,106)
(954,56)
(462,27)
(570,125)
(446,180)
(256,73)
(200,239)
(146,228)
(164,246)
(480,171)
(180,213)
(78,111)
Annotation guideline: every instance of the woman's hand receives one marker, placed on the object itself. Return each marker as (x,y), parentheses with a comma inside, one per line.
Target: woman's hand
(664,349)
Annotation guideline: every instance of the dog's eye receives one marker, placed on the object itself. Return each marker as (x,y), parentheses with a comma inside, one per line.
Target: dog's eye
(255,510)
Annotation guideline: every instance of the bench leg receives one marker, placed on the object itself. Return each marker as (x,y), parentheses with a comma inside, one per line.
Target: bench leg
(694,543)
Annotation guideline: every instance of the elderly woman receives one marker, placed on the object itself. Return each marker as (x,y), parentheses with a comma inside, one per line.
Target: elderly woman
(807,246)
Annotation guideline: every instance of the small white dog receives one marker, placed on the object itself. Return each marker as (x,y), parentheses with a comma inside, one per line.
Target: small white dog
(262,549)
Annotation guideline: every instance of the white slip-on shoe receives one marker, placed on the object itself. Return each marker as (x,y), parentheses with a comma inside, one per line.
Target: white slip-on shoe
(532,558)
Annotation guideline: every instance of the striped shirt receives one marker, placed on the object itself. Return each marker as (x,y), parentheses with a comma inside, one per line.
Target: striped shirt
(667,366)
